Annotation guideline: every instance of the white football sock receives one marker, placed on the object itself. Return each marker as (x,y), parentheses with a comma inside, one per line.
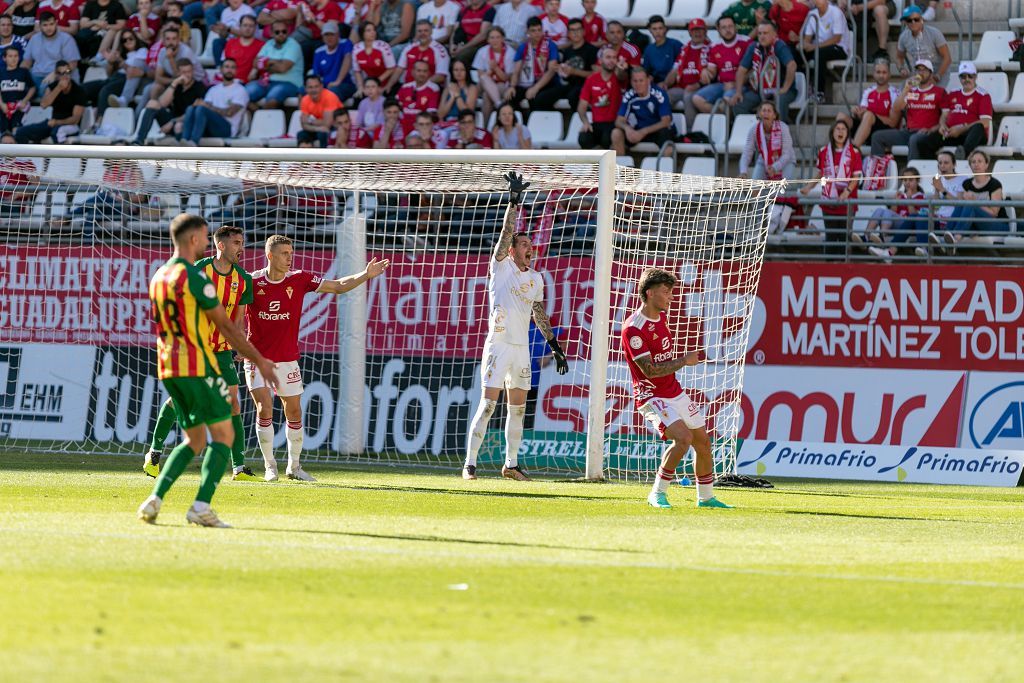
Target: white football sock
(295,437)
(662,479)
(265,437)
(478,429)
(513,434)
(200,506)
(706,486)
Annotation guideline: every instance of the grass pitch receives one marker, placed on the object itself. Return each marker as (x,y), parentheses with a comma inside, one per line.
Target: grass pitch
(396,576)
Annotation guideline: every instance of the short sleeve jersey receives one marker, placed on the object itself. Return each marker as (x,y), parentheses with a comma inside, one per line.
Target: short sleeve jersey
(434,54)
(727,59)
(275,312)
(642,336)
(878,102)
(512,293)
(179,293)
(967,108)
(923,107)
(604,97)
(641,112)
(233,290)
(691,61)
(373,59)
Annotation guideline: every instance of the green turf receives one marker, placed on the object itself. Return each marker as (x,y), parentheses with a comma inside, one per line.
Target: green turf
(396,576)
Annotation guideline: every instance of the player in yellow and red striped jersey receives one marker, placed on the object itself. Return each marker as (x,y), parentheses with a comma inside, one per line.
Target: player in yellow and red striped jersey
(186,310)
(234,291)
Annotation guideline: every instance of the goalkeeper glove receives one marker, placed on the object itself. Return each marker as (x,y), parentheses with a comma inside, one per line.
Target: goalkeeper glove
(561,364)
(516,187)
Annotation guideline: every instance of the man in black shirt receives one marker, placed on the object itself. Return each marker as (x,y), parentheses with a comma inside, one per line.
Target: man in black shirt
(98,17)
(576,62)
(68,101)
(169,109)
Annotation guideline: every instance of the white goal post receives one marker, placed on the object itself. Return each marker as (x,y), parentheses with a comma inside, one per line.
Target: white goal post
(433,213)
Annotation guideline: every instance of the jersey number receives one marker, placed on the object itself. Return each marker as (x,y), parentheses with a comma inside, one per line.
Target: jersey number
(171,312)
(219,384)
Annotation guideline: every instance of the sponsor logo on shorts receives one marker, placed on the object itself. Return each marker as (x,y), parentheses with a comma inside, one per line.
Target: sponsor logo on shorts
(524,372)
(294,376)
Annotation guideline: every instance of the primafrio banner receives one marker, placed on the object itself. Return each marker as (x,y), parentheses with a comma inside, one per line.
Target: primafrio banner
(890,316)
(907,464)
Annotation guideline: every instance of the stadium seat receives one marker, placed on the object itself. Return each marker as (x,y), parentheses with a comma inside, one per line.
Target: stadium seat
(206,55)
(994,52)
(715,10)
(799,103)
(683,11)
(150,171)
(741,126)
(196,42)
(114,118)
(64,169)
(613,9)
(679,121)
(625,161)
(37,115)
(571,139)
(1010,173)
(290,138)
(95,73)
(573,9)
(663,164)
(1015,103)
(929,167)
(1013,128)
(996,84)
(643,9)
(173,175)
(704,166)
(267,124)
(493,119)
(545,128)
(712,125)
(291,103)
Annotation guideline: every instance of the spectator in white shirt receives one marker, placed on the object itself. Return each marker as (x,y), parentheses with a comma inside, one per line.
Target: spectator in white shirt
(511,16)
(825,38)
(219,113)
(443,16)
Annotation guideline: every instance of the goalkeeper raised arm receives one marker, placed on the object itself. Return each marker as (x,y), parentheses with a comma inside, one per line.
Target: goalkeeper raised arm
(515,292)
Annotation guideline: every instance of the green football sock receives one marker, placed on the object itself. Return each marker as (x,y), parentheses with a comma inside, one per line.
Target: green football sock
(176,463)
(215,460)
(238,449)
(164,421)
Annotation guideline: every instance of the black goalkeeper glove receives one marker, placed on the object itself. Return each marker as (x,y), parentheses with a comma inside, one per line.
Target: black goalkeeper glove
(516,187)
(561,364)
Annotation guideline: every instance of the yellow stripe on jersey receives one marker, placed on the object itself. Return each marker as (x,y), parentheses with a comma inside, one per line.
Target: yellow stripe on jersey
(229,293)
(183,342)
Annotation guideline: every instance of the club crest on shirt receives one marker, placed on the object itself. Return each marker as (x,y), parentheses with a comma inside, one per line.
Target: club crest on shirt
(288,291)
(234,286)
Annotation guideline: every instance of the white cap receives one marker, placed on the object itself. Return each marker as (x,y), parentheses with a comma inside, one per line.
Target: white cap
(967,68)
(926,63)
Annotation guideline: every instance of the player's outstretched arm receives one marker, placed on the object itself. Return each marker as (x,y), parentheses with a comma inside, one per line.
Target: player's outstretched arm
(219,317)
(540,316)
(516,188)
(669,367)
(346,284)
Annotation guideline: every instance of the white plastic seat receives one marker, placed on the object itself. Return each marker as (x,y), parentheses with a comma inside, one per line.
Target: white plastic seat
(712,125)
(37,115)
(172,175)
(545,128)
(715,10)
(994,52)
(625,161)
(266,124)
(679,121)
(614,9)
(685,10)
(704,166)
(1013,128)
(663,164)
(741,126)
(291,136)
(1015,103)
(120,118)
(573,8)
(996,84)
(93,171)
(571,139)
(95,73)
(799,103)
(64,169)
(1010,172)
(643,9)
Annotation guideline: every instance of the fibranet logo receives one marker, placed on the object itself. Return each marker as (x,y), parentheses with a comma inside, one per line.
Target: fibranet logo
(997,419)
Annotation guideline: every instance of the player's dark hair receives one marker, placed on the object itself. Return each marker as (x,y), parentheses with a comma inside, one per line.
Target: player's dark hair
(574,22)
(533,21)
(652,277)
(185,223)
(517,235)
(226,232)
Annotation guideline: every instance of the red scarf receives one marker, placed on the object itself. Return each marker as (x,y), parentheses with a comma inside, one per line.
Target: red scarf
(766,68)
(498,59)
(875,169)
(539,57)
(837,179)
(770,149)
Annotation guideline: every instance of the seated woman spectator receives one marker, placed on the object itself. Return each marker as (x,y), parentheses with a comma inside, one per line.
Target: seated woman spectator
(771,145)
(126,71)
(899,223)
(494,64)
(509,132)
(461,93)
(973,222)
(16,91)
(839,163)
(370,112)
(371,58)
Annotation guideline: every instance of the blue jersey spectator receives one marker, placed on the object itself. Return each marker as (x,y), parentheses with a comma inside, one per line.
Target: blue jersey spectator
(645,115)
(332,62)
(661,54)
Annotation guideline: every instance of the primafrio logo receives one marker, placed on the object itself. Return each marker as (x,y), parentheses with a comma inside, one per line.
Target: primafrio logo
(997,419)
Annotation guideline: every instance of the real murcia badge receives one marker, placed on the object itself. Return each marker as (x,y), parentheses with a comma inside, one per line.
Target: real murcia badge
(288,291)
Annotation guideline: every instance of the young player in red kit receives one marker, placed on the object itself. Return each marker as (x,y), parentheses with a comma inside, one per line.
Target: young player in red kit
(273,318)
(648,346)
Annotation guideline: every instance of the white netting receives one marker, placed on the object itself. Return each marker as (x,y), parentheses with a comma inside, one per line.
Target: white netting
(82,236)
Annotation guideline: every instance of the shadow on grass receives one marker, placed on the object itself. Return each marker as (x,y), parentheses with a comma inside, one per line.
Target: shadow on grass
(892,518)
(441,539)
(465,492)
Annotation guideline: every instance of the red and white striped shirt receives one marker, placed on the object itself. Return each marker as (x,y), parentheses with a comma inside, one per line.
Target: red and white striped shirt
(434,54)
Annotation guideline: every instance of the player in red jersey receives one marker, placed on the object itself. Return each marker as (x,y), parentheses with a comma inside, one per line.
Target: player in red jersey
(273,318)
(648,346)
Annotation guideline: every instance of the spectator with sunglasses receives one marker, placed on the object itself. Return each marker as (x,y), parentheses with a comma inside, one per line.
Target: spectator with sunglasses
(280,60)
(966,117)
(918,42)
(68,101)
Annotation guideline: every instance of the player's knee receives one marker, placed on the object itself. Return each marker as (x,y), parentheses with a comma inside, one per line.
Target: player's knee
(489,406)
(700,439)
(678,433)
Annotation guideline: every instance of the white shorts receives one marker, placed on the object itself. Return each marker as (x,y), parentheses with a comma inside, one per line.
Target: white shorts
(289,378)
(663,412)
(506,366)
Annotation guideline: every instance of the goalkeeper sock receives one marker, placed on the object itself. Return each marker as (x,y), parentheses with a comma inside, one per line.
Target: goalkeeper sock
(513,434)
(265,437)
(176,463)
(295,437)
(663,480)
(478,429)
(706,486)
(238,449)
(165,419)
(215,460)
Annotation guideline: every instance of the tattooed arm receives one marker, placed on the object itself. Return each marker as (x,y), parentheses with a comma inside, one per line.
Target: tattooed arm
(669,367)
(540,317)
(516,188)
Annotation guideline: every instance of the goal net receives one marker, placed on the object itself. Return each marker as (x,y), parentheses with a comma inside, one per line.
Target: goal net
(391,370)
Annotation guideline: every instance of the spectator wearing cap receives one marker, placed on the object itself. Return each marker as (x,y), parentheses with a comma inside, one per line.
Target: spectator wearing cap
(475,22)
(966,117)
(921,99)
(332,62)
(747,14)
(98,17)
(826,37)
(424,49)
(789,16)
(576,62)
(554,23)
(317,109)
(771,68)
(661,53)
(511,16)
(719,76)
(68,101)
(684,80)
(467,135)
(168,110)
(230,26)
(594,25)
(645,115)
(443,17)
(47,48)
(281,59)
(244,49)
(219,113)
(535,74)
(918,42)
(602,95)
(372,58)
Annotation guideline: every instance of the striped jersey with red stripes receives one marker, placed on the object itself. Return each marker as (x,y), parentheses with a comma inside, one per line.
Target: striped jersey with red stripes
(178,295)
(234,290)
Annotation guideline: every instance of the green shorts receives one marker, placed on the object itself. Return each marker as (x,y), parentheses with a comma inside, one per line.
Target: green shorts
(228,370)
(199,400)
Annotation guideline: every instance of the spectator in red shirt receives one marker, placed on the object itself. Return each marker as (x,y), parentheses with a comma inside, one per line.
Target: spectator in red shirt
(475,22)
(626,54)
(244,49)
(144,23)
(594,25)
(426,135)
(684,80)
(966,117)
(419,95)
(602,94)
(467,135)
(839,163)
(345,135)
(391,135)
(66,11)
(789,16)
(876,109)
(922,101)
(719,76)
(425,49)
(372,58)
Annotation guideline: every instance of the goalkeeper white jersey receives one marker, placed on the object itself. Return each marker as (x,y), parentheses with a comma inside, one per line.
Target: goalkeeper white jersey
(512,293)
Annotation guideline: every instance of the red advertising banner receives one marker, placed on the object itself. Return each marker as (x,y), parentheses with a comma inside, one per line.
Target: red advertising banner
(890,316)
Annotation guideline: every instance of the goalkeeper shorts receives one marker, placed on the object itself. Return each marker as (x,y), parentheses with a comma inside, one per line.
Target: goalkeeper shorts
(289,378)
(664,412)
(506,366)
